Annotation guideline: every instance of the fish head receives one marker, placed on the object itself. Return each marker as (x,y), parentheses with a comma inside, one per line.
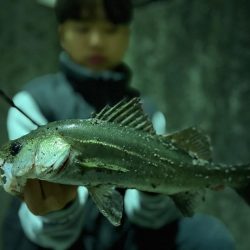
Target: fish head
(34,156)
(9,155)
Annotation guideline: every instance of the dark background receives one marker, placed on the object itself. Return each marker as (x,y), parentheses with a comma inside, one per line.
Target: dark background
(191,56)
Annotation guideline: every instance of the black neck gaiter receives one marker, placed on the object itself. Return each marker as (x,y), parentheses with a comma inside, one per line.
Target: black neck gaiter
(98,89)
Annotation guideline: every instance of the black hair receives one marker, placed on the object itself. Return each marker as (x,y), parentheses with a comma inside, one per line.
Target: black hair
(117,11)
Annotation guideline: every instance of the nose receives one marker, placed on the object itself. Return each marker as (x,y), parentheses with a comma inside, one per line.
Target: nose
(96,39)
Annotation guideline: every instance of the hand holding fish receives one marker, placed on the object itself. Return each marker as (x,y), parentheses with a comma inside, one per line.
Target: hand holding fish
(43,197)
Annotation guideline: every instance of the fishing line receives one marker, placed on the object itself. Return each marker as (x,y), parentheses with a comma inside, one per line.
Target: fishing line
(12,104)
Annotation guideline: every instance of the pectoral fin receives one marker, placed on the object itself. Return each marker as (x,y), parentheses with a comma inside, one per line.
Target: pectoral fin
(109,202)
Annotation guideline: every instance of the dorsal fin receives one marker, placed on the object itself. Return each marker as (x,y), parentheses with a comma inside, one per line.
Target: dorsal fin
(127,113)
(192,140)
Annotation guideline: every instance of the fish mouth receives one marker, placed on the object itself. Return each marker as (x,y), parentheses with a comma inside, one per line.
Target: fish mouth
(10,183)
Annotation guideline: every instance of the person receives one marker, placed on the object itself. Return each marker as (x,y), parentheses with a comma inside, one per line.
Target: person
(94,36)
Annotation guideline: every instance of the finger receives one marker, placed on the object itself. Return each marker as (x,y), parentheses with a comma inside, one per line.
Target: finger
(43,197)
(42,190)
(59,191)
(32,196)
(58,196)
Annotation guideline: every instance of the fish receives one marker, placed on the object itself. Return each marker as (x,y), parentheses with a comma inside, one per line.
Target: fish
(118,149)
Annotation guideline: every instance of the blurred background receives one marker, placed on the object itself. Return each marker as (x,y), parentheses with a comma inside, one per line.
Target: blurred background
(191,56)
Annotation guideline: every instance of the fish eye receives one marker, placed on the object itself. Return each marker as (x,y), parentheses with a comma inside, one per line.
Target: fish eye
(15,148)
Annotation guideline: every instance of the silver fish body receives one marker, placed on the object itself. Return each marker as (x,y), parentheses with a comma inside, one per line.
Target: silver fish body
(124,157)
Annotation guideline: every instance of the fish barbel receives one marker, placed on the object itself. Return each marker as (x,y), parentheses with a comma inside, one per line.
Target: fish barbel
(117,148)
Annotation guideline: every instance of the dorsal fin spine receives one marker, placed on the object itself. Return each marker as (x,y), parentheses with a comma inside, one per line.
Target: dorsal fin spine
(127,113)
(116,109)
(136,121)
(131,112)
(113,116)
(121,113)
(141,125)
(127,120)
(109,110)
(130,121)
(100,114)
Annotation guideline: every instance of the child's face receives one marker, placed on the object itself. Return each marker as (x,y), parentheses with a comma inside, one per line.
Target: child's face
(96,44)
